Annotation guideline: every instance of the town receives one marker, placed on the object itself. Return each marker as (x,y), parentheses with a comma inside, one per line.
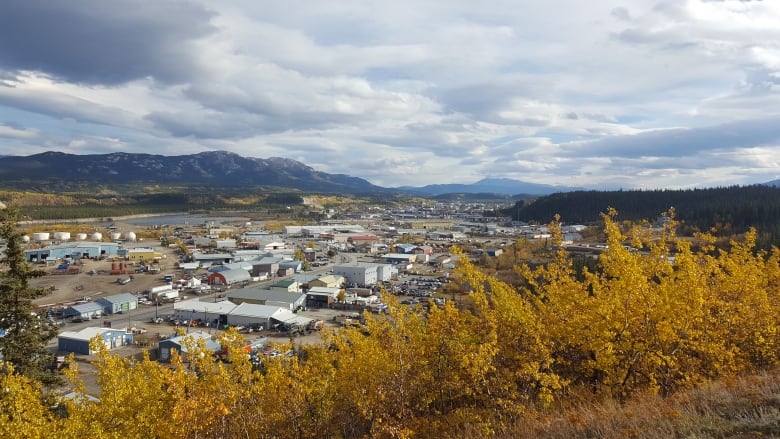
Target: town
(205,275)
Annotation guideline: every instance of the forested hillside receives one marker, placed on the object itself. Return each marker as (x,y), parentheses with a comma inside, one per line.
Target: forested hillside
(493,359)
(724,211)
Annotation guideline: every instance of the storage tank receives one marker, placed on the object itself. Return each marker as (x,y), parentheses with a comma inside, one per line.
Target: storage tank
(130,236)
(62,236)
(81,236)
(97,236)
(25,239)
(115,235)
(41,236)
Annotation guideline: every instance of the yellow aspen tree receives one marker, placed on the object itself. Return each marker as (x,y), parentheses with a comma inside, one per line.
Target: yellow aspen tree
(24,412)
(749,307)
(520,371)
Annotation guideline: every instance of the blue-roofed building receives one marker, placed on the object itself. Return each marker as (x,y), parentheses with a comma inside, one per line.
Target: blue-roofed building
(178,344)
(73,250)
(78,341)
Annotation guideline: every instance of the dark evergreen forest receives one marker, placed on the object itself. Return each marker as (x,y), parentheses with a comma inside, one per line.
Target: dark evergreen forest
(723,211)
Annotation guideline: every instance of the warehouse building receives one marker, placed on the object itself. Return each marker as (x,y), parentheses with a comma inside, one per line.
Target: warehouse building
(73,250)
(180,345)
(118,303)
(78,341)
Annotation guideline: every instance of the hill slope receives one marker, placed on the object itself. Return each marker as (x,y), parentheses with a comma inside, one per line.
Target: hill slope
(216,168)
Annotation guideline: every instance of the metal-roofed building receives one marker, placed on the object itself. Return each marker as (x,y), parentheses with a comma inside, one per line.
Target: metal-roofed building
(329,281)
(207,259)
(74,250)
(166,348)
(280,298)
(78,341)
(119,302)
(321,297)
(213,313)
(229,277)
(249,314)
(89,310)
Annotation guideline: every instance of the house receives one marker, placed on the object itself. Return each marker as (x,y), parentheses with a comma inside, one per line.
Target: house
(229,277)
(118,303)
(78,341)
(182,345)
(83,311)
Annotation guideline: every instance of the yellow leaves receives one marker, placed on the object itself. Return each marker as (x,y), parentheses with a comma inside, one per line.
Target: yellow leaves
(660,319)
(23,412)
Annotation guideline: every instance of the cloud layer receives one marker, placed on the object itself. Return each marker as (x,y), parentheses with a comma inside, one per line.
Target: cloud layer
(631,94)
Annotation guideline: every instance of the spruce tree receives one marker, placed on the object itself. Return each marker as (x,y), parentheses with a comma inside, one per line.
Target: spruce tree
(25,333)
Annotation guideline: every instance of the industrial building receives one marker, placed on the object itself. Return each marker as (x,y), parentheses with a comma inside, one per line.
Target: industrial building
(78,341)
(73,250)
(178,344)
(273,297)
(118,303)
(229,277)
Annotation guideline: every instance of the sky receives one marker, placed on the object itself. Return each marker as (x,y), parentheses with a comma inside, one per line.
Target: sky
(603,94)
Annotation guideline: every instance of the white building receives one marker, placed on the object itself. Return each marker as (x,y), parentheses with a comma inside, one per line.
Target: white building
(365,274)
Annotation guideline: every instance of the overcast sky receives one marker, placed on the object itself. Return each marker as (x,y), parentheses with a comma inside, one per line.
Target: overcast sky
(600,94)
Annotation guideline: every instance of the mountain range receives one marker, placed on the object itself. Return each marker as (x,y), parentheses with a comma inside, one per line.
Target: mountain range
(220,169)
(216,169)
(501,186)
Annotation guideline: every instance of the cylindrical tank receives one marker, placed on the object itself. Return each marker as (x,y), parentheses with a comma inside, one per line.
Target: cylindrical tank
(97,236)
(62,236)
(115,235)
(25,239)
(81,236)
(130,236)
(114,267)
(41,236)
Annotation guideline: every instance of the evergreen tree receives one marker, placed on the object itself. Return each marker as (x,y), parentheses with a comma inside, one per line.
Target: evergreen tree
(26,332)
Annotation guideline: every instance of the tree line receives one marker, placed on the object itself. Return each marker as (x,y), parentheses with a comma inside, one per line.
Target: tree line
(722,211)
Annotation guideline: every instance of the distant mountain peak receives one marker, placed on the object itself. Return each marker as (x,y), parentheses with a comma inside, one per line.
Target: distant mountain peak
(494,185)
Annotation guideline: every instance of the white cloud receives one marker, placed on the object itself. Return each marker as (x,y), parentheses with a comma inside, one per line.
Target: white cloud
(17,133)
(631,93)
